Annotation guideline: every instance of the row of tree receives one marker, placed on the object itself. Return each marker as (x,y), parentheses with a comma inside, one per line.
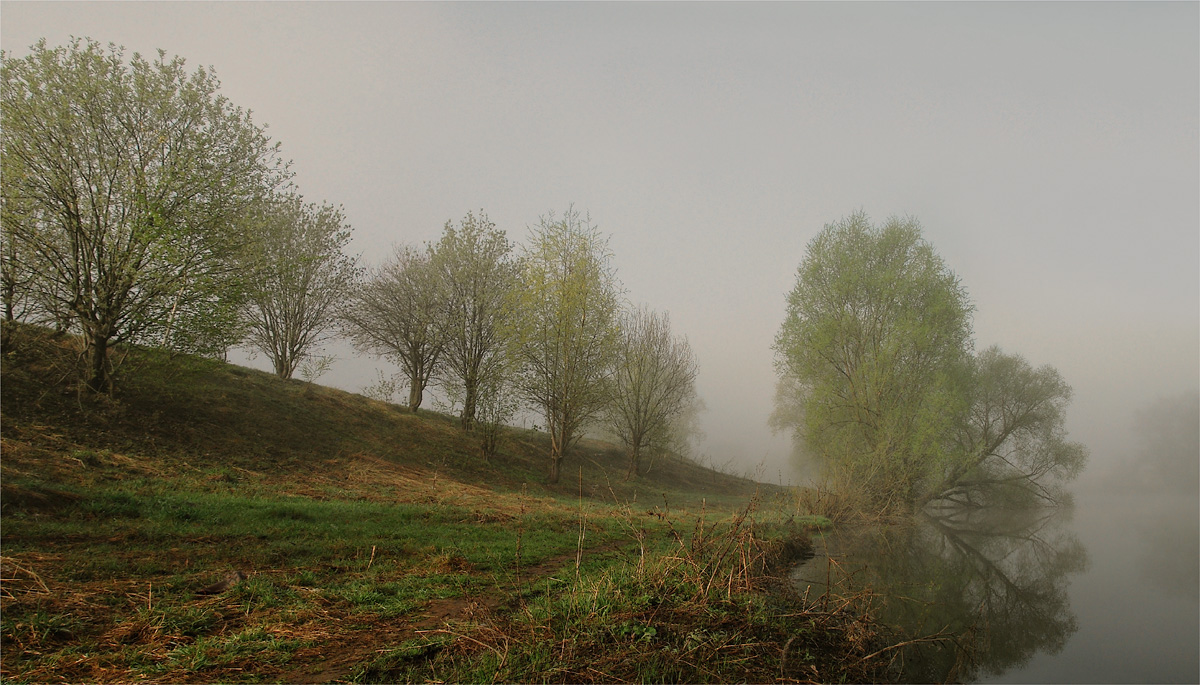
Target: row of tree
(881,386)
(545,328)
(140,206)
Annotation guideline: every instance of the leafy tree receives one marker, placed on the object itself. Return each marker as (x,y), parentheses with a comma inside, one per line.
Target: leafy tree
(654,383)
(477,272)
(877,377)
(568,304)
(395,315)
(300,278)
(1010,439)
(877,330)
(133,178)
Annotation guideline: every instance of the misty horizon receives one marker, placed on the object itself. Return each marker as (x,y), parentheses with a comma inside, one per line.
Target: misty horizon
(1050,153)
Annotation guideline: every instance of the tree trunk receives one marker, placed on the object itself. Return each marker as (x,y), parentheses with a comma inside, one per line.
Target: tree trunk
(635,459)
(414,396)
(98,361)
(470,401)
(558,446)
(282,368)
(489,440)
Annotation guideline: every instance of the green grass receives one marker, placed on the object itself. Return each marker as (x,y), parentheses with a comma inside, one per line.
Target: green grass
(367,533)
(693,608)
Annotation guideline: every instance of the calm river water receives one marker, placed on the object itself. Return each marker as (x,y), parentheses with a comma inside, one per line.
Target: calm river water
(1108,591)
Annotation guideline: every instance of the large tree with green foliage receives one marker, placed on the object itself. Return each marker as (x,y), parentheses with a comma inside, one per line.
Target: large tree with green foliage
(878,378)
(568,301)
(132,178)
(299,278)
(476,273)
(877,333)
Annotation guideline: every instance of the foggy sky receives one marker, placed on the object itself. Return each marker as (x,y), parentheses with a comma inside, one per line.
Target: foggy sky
(1050,151)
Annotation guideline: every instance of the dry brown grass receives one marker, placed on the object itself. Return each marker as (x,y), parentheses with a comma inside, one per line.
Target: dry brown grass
(121,510)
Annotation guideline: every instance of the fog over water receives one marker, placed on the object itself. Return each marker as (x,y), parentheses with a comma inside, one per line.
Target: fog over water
(1051,152)
(1107,591)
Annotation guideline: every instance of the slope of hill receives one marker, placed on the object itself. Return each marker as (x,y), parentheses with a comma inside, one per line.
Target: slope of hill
(184,414)
(211,522)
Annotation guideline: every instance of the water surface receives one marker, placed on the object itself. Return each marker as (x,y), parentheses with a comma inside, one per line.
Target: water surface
(1104,592)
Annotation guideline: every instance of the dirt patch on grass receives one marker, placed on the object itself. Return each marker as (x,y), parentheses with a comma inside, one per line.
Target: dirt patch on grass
(34,499)
(337,644)
(338,654)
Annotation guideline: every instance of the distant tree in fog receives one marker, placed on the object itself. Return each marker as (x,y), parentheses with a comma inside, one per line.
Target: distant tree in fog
(1169,435)
(787,417)
(395,315)
(653,384)
(299,277)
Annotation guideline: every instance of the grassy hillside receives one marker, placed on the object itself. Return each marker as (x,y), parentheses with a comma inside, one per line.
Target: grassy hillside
(209,417)
(370,544)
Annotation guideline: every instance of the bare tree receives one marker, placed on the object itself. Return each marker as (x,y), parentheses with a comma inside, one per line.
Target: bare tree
(477,272)
(653,384)
(300,277)
(395,315)
(568,303)
(499,401)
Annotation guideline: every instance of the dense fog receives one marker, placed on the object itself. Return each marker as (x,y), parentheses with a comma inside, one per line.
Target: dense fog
(1049,151)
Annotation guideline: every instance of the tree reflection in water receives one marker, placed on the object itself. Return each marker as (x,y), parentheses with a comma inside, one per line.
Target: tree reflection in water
(994,580)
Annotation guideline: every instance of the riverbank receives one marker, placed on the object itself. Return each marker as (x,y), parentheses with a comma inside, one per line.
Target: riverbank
(710,606)
(109,585)
(968,596)
(212,523)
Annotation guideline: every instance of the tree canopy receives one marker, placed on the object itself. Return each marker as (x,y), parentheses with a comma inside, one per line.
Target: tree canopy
(123,186)
(300,277)
(879,381)
(568,305)
(395,314)
(476,273)
(653,385)
(1009,437)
